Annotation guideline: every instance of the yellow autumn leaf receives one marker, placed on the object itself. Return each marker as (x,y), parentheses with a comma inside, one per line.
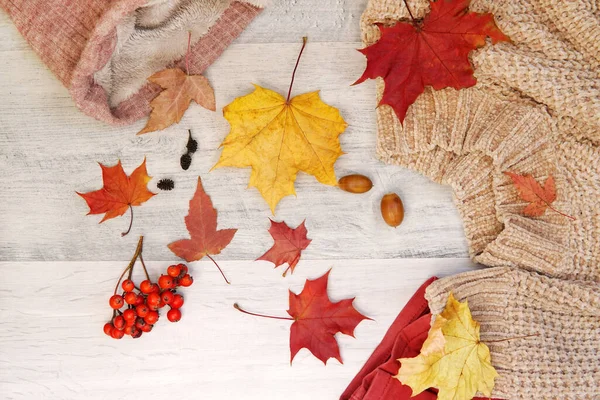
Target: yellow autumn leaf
(278,137)
(458,369)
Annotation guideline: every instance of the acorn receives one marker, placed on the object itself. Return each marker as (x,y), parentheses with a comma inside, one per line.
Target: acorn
(355,183)
(392,209)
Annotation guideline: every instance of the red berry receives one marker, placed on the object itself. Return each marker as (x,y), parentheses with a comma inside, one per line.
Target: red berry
(130,297)
(174,315)
(116,301)
(119,322)
(165,282)
(147,328)
(136,333)
(128,285)
(153,299)
(142,310)
(151,318)
(177,301)
(117,334)
(186,280)
(129,315)
(130,329)
(167,296)
(146,286)
(108,328)
(183,269)
(173,271)
(140,300)
(139,322)
(155,288)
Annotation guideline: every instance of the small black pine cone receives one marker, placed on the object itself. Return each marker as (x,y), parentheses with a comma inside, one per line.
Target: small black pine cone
(165,184)
(185,161)
(192,145)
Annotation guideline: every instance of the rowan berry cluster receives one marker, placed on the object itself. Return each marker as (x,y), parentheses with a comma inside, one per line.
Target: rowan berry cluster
(144,302)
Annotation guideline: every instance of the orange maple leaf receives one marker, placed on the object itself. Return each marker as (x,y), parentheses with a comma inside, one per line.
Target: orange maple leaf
(201,223)
(540,198)
(317,320)
(119,193)
(288,245)
(179,90)
(432,52)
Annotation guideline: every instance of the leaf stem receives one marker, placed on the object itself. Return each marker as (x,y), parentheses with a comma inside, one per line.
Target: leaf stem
(219,268)
(237,307)
(187,53)
(304,39)
(561,213)
(512,338)
(130,222)
(409,11)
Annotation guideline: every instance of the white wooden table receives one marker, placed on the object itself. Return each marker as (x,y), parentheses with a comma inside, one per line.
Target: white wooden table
(58,266)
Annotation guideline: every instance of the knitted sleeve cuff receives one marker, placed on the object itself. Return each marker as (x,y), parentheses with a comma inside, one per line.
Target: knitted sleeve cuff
(561,360)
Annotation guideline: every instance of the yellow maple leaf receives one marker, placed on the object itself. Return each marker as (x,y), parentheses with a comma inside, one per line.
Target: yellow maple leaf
(278,137)
(453,359)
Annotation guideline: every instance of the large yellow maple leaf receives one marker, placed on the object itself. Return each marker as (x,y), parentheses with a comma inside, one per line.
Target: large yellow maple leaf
(452,359)
(278,137)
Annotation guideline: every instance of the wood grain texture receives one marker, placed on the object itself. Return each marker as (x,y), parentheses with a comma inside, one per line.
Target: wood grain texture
(49,149)
(52,345)
(54,298)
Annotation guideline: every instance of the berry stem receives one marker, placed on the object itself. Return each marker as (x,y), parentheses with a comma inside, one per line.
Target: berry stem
(130,222)
(304,39)
(237,307)
(512,338)
(138,253)
(144,266)
(187,53)
(410,12)
(220,270)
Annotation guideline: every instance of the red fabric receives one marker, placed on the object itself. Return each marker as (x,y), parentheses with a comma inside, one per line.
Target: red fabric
(376,381)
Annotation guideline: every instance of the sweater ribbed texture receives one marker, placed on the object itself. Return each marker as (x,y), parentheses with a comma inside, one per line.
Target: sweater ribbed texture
(535,110)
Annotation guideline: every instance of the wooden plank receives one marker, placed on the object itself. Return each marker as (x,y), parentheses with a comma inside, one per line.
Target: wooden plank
(52,345)
(49,149)
(281,22)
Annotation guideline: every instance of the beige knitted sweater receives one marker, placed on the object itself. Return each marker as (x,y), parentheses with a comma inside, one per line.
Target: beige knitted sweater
(535,110)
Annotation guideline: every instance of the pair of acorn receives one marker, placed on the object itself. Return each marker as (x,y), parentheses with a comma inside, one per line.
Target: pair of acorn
(392,209)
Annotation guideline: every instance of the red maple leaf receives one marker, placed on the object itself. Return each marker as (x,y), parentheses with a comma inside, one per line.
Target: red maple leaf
(201,223)
(432,52)
(539,198)
(317,320)
(288,245)
(119,193)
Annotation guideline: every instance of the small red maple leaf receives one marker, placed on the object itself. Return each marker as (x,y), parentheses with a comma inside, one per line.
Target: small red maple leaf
(540,198)
(434,52)
(288,245)
(201,223)
(119,193)
(317,320)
